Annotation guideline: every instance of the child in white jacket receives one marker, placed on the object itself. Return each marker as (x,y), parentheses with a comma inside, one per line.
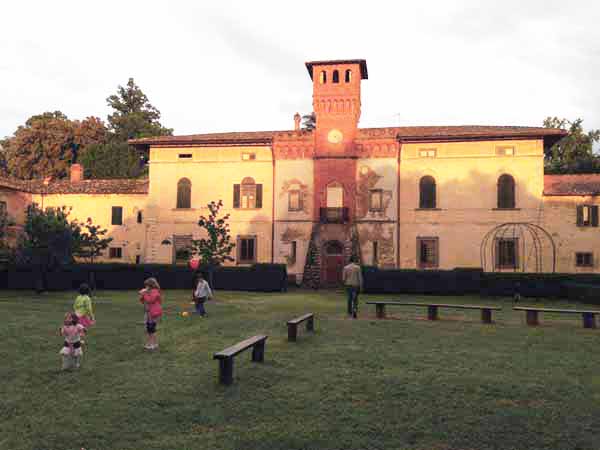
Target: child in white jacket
(201,294)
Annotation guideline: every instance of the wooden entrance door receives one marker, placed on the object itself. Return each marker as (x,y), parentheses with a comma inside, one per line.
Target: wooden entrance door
(333,263)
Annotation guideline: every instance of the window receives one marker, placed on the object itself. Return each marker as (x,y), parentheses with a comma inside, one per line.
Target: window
(295,200)
(375,200)
(248,156)
(292,257)
(182,246)
(138,259)
(184,194)
(427,193)
(505,151)
(348,76)
(587,216)
(584,259)
(115,252)
(428,153)
(336,76)
(506,192)
(248,195)
(507,253)
(375,252)
(335,195)
(246,246)
(185,156)
(427,253)
(323,77)
(139,217)
(117,215)
(3,209)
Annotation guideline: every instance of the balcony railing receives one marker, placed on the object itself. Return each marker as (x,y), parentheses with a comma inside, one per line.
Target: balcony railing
(334,215)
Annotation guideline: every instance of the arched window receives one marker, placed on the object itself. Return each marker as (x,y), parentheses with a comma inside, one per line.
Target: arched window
(336,76)
(184,194)
(348,76)
(506,192)
(335,195)
(323,77)
(248,195)
(427,193)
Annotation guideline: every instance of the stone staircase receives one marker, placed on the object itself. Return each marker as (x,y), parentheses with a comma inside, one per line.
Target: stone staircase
(312,266)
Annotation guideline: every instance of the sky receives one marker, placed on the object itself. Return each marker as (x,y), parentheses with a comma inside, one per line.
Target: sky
(235,65)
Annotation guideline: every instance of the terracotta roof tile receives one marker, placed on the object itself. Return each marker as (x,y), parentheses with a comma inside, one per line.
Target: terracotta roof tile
(403,133)
(573,184)
(112,186)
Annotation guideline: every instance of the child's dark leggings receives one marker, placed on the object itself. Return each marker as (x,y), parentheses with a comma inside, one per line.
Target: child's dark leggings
(200,306)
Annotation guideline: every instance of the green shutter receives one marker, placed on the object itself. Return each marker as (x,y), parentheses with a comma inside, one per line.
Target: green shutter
(259,196)
(579,216)
(236,195)
(594,216)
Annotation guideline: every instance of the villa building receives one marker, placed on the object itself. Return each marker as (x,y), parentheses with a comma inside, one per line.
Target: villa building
(407,197)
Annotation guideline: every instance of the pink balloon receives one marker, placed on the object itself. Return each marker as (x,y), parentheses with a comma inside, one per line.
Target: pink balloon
(194,263)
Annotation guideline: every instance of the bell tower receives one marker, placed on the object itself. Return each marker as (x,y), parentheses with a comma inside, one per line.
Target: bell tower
(336,103)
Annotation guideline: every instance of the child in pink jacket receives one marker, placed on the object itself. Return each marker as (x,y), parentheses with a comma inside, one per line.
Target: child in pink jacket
(151,299)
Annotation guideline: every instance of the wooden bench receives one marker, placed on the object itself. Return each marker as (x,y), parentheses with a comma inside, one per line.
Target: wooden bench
(225,357)
(293,325)
(589,317)
(432,309)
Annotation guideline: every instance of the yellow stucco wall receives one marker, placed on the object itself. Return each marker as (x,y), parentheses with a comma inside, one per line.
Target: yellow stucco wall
(130,236)
(212,171)
(466,175)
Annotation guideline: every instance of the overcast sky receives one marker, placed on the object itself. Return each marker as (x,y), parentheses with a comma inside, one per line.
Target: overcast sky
(239,65)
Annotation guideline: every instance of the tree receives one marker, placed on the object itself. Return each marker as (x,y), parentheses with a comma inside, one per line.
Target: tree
(48,241)
(134,116)
(309,121)
(91,241)
(48,143)
(112,160)
(574,152)
(216,248)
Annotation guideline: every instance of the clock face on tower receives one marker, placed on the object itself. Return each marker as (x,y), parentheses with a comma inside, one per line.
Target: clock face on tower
(335,136)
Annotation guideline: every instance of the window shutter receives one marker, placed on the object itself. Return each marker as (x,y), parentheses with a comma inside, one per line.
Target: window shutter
(259,196)
(117,215)
(300,200)
(579,216)
(236,195)
(436,252)
(594,216)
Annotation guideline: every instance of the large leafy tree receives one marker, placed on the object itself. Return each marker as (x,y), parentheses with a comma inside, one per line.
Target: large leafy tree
(48,143)
(112,160)
(573,153)
(134,116)
(309,121)
(91,241)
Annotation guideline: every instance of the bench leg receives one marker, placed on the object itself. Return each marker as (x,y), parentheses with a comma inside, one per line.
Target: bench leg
(292,332)
(258,352)
(486,315)
(589,320)
(532,318)
(310,324)
(226,371)
(432,312)
(380,311)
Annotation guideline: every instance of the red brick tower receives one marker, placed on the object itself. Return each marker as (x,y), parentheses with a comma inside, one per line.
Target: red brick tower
(336,102)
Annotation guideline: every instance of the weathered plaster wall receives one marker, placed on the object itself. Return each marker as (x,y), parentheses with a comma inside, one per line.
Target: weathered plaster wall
(466,175)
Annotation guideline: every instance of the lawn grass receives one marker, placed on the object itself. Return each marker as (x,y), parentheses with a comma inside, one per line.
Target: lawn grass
(402,383)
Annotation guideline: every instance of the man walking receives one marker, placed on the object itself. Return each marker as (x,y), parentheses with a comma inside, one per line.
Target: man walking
(353,281)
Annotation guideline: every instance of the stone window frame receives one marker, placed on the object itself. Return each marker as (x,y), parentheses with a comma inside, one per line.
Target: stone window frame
(115,252)
(435,241)
(300,206)
(372,193)
(428,153)
(248,156)
(587,211)
(240,245)
(501,262)
(506,150)
(248,194)
(584,259)
(116,215)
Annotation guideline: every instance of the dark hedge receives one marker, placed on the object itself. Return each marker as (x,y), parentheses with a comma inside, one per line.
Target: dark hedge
(582,287)
(260,277)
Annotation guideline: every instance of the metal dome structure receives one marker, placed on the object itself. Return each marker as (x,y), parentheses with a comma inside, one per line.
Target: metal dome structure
(533,246)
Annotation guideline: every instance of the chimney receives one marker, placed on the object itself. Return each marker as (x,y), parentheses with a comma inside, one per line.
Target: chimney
(76,173)
(297,120)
